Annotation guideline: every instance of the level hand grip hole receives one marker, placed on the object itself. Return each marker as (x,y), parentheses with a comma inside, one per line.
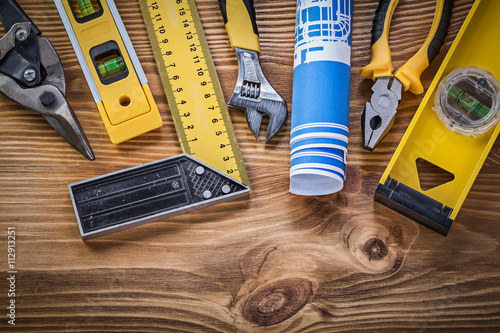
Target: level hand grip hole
(431,175)
(125,101)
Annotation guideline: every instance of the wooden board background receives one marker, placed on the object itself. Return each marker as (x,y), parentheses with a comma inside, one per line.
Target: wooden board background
(275,262)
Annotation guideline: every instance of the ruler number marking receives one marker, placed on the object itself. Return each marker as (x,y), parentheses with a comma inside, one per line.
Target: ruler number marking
(161,29)
(175,39)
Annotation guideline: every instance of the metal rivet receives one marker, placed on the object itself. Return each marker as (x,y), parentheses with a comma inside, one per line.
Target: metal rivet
(21,34)
(200,170)
(29,75)
(207,194)
(226,189)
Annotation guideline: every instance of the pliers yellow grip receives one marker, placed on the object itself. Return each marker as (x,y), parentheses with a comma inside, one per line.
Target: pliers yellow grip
(409,74)
(378,115)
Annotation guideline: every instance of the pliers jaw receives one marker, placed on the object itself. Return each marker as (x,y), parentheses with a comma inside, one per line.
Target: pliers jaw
(378,115)
(31,75)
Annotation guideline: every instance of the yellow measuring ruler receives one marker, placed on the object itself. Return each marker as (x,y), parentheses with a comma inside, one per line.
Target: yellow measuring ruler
(191,84)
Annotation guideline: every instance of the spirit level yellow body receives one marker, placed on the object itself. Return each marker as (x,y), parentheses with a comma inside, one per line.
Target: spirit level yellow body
(429,139)
(123,98)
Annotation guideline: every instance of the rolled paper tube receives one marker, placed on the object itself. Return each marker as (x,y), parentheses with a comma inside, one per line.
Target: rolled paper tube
(311,163)
(320,143)
(320,96)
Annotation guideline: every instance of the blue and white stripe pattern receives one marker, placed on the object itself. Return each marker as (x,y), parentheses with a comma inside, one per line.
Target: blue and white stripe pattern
(320,101)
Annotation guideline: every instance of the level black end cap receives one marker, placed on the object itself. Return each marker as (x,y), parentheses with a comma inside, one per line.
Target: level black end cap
(415,205)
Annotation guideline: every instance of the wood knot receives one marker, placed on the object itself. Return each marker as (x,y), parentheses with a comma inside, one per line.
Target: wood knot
(375,249)
(277,301)
(379,246)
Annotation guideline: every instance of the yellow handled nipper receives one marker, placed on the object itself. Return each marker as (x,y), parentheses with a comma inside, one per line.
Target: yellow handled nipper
(378,115)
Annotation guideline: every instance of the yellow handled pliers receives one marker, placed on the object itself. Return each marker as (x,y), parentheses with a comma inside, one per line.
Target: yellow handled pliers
(378,115)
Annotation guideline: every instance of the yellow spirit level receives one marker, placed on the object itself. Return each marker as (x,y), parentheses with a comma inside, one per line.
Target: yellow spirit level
(111,67)
(430,139)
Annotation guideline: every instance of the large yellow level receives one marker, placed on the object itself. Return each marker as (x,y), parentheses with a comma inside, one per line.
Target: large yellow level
(191,84)
(428,138)
(111,67)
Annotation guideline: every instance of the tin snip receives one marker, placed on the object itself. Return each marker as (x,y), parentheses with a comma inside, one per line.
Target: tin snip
(378,115)
(252,93)
(31,74)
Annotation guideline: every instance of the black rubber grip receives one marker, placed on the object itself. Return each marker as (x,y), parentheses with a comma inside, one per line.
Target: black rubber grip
(441,32)
(250,10)
(379,20)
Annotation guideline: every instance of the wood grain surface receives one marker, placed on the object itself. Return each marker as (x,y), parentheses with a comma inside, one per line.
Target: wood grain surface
(273,262)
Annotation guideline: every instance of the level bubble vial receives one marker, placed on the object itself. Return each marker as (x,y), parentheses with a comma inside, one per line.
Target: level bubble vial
(111,67)
(84,8)
(467,101)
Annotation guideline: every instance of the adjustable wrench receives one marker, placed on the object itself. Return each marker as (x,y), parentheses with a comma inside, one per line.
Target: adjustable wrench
(252,92)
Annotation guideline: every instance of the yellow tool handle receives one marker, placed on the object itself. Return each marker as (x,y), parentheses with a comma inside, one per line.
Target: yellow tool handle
(409,74)
(380,64)
(239,18)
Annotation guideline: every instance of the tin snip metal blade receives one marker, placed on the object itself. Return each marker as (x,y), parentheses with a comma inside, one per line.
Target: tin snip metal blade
(252,93)
(31,74)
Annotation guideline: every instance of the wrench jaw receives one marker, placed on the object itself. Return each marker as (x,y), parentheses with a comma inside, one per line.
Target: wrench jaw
(256,96)
(277,114)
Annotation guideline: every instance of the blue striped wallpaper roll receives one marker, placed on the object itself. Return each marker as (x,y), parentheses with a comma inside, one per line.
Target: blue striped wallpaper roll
(320,100)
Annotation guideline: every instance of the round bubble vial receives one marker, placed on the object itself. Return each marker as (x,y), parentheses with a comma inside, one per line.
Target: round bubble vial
(467,101)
